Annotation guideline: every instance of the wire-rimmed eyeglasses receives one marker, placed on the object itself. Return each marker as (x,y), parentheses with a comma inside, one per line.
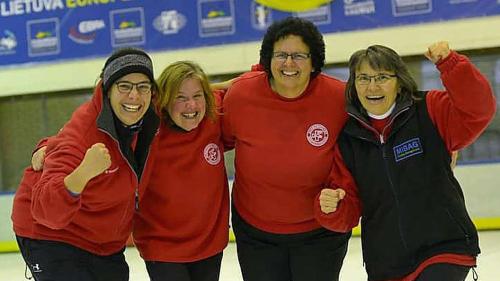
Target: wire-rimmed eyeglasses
(125,87)
(379,79)
(283,56)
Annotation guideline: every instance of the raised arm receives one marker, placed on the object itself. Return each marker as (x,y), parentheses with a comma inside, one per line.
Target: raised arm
(466,107)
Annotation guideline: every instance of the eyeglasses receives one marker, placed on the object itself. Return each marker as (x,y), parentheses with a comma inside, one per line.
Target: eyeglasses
(125,87)
(283,56)
(379,78)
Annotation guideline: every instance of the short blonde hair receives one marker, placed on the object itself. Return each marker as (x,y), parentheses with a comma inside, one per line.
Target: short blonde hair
(170,81)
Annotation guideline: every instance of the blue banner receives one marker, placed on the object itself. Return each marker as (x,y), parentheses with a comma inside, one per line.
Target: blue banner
(51,30)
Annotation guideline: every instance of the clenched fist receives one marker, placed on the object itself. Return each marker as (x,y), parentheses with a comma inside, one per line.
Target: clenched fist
(330,198)
(437,51)
(96,160)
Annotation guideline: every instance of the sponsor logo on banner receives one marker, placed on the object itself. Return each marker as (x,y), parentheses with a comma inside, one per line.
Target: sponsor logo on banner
(8,42)
(85,32)
(169,22)
(212,154)
(261,16)
(407,149)
(127,27)
(216,17)
(319,16)
(317,135)
(75,4)
(43,37)
(411,7)
(356,8)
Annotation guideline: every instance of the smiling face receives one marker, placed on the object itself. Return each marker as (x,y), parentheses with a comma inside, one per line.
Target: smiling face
(376,98)
(189,105)
(130,107)
(290,77)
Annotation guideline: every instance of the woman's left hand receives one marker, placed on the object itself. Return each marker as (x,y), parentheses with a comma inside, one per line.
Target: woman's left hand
(437,51)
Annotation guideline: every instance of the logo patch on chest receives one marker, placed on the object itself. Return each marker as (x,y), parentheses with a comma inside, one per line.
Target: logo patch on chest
(212,154)
(317,135)
(407,149)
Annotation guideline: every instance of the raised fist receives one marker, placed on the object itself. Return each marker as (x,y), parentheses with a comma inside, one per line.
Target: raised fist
(437,51)
(96,160)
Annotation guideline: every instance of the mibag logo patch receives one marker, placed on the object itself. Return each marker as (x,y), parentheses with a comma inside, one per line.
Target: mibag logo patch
(407,149)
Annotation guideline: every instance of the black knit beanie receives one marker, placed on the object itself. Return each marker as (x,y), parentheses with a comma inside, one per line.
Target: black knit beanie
(123,62)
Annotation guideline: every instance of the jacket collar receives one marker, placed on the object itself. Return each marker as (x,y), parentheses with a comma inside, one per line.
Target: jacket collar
(359,124)
(360,113)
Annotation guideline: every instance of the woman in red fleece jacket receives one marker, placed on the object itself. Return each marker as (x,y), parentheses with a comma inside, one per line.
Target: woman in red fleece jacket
(181,239)
(183,227)
(392,165)
(93,174)
(283,123)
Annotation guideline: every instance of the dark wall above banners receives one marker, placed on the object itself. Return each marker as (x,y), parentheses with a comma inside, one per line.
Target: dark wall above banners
(34,31)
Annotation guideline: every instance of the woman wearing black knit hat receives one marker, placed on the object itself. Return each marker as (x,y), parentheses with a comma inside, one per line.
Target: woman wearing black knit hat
(95,168)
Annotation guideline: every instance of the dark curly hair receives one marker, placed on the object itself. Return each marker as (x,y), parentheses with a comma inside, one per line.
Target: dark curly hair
(299,27)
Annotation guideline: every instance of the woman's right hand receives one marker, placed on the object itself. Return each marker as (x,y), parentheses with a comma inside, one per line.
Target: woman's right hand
(38,158)
(223,85)
(329,199)
(96,160)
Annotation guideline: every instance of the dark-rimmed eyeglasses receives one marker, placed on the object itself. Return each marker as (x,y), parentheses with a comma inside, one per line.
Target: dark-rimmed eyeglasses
(283,56)
(379,79)
(125,87)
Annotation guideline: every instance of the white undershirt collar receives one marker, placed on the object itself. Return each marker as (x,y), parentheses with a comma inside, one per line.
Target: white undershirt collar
(383,116)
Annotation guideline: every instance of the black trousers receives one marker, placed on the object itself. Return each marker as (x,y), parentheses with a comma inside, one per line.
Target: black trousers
(57,261)
(312,256)
(203,270)
(444,271)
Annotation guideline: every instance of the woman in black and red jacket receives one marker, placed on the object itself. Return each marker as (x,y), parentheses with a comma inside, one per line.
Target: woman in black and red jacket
(392,165)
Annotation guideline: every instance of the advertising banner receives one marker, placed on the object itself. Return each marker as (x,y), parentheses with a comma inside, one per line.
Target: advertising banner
(34,31)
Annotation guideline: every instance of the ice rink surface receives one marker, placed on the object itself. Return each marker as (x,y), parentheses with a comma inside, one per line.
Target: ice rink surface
(12,266)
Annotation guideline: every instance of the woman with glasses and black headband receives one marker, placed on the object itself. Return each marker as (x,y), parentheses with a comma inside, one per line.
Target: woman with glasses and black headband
(392,165)
(283,123)
(73,219)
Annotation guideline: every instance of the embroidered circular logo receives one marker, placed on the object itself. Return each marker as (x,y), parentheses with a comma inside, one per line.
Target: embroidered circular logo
(317,135)
(212,154)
